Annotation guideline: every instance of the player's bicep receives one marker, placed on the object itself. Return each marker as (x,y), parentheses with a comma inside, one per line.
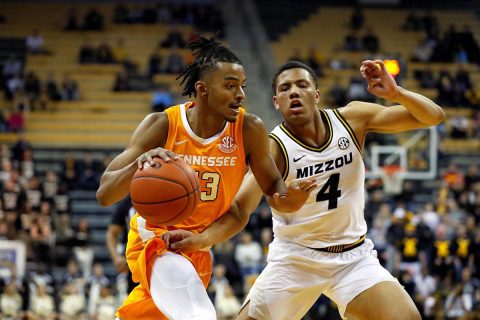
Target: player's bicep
(260,160)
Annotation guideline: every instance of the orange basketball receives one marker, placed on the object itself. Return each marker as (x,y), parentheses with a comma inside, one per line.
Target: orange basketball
(166,194)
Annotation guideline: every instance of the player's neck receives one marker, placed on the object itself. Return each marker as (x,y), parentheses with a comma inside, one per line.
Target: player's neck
(204,123)
(312,133)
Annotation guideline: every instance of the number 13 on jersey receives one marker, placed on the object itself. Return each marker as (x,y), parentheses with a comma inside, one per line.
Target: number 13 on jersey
(212,179)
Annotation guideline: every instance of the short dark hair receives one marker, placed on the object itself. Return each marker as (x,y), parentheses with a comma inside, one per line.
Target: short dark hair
(207,52)
(292,65)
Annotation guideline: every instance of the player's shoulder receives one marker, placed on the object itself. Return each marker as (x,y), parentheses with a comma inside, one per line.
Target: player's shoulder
(251,120)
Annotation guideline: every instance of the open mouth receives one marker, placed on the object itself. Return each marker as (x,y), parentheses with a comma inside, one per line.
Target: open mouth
(295,105)
(236,107)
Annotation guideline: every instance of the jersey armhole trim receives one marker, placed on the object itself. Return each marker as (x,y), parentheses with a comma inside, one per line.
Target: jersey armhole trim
(349,129)
(284,154)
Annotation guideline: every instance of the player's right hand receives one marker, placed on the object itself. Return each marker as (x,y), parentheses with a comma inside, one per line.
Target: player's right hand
(120,264)
(184,240)
(159,152)
(297,194)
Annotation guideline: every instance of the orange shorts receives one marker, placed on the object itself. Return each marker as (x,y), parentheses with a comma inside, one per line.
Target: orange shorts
(139,304)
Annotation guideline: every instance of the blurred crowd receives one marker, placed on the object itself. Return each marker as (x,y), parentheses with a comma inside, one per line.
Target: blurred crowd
(432,247)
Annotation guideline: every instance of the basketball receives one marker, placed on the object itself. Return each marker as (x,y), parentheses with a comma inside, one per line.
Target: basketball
(166,194)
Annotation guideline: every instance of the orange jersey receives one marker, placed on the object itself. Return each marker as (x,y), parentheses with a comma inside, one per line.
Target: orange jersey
(220,163)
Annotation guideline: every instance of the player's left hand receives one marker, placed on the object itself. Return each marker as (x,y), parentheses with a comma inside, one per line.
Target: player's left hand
(380,81)
(297,193)
(184,240)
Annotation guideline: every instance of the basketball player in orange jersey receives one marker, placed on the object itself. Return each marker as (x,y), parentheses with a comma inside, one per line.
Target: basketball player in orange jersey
(321,248)
(219,140)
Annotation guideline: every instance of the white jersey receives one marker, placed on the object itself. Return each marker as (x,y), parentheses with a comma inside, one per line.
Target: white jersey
(334,212)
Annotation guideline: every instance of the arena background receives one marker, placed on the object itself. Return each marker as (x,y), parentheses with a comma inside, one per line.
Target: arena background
(77,77)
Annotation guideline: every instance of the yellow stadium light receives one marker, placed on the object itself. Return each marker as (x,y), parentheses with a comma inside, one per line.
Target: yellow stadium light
(392,66)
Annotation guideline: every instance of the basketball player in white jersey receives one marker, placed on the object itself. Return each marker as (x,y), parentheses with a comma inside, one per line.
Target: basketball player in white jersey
(322,249)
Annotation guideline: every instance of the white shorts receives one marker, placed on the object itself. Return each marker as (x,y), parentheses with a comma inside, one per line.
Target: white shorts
(296,276)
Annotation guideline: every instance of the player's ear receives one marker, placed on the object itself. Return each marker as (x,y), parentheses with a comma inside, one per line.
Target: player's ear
(317,96)
(201,88)
(275,103)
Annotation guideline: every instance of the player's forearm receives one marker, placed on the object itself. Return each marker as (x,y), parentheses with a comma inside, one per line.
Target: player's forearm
(228,225)
(115,185)
(422,108)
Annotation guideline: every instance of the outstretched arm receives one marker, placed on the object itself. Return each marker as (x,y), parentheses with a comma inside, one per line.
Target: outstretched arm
(412,112)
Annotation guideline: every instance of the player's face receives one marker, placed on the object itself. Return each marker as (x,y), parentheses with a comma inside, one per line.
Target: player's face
(296,95)
(225,87)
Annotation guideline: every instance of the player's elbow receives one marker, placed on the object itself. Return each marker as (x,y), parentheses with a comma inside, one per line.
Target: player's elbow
(102,199)
(437,117)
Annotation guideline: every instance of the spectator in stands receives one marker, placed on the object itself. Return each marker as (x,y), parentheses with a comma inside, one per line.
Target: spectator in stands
(459,127)
(93,20)
(95,283)
(42,238)
(422,51)
(120,52)
(174,38)
(104,53)
(357,19)
(16,120)
(135,14)
(69,88)
(122,82)
(120,14)
(71,20)
(175,62)
(72,303)
(11,303)
(50,185)
(14,84)
(51,87)
(314,61)
(155,65)
(149,14)
(42,305)
(412,22)
(352,42)
(357,90)
(73,276)
(116,240)
(11,67)
(35,43)
(82,251)
(105,308)
(248,254)
(164,14)
(472,177)
(337,95)
(87,53)
(226,303)
(425,287)
(370,41)
(161,98)
(32,85)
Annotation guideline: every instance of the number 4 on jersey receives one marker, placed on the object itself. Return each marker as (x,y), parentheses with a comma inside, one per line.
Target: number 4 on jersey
(330,192)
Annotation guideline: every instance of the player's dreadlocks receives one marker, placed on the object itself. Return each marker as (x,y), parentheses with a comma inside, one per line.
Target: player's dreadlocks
(207,52)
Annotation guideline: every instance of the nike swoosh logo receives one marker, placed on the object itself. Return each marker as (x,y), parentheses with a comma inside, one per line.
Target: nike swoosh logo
(179,142)
(298,159)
